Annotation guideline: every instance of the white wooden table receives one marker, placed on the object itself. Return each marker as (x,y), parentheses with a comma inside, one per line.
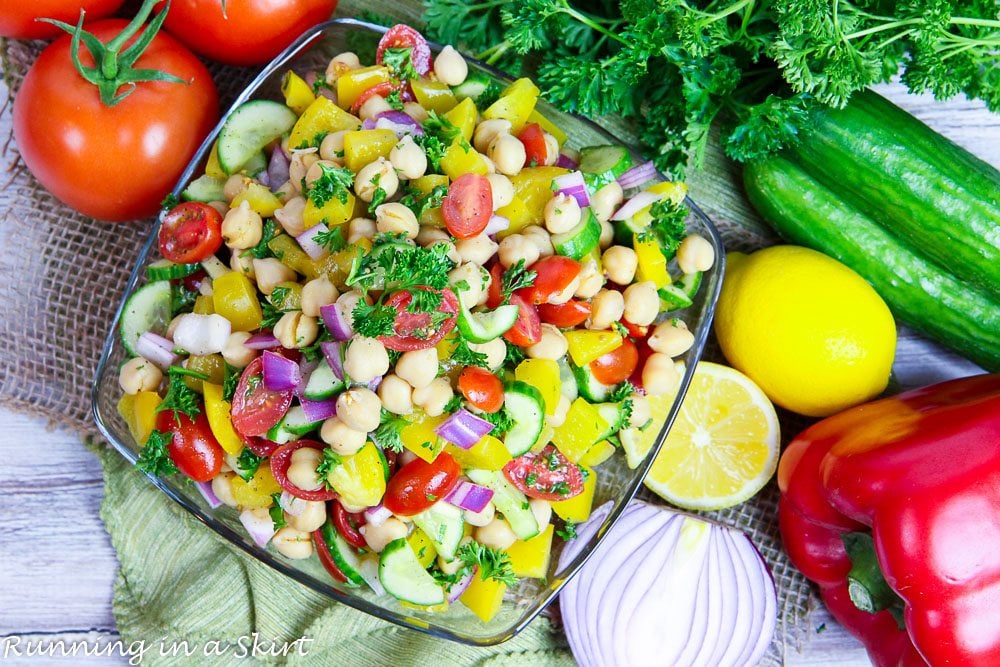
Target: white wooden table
(57,566)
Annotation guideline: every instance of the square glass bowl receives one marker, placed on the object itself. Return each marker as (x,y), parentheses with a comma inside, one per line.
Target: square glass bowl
(615,481)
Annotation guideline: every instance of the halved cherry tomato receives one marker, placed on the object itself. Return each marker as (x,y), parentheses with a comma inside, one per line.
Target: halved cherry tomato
(634,330)
(383,90)
(527,330)
(193,448)
(256,408)
(617,365)
(493,296)
(554,274)
(192,283)
(644,351)
(533,138)
(281,459)
(260,446)
(419,484)
(347,524)
(565,315)
(481,388)
(323,550)
(468,205)
(547,475)
(418,331)
(190,232)
(404,37)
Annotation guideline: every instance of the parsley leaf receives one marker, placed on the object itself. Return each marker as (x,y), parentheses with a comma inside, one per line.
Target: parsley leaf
(248,463)
(501,420)
(387,435)
(374,320)
(515,278)
(439,135)
(277,515)
(330,461)
(399,60)
(271,315)
(493,563)
(170,201)
(333,239)
(181,299)
(180,398)
(568,531)
(621,392)
(514,356)
(668,226)
(462,355)
(454,403)
(394,100)
(419,202)
(333,182)
(232,379)
(154,458)
(262,250)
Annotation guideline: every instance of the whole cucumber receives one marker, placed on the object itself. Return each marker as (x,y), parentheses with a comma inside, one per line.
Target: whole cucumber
(917,290)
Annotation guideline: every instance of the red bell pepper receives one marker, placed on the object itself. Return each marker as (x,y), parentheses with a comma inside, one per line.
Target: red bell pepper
(893,508)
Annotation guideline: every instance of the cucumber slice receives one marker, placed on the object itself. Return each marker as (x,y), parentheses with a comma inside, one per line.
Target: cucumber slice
(673,297)
(509,501)
(249,129)
(476,85)
(580,240)
(602,164)
(148,309)
(567,381)
(689,283)
(343,555)
(589,387)
(527,410)
(164,269)
(444,524)
(626,230)
(205,188)
(487,325)
(611,413)
(257,164)
(292,426)
(404,578)
(322,384)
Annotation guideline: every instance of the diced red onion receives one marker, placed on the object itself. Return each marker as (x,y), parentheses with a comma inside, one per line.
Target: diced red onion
(573,185)
(280,374)
(635,204)
(157,349)
(264,340)
(369,572)
(459,586)
(306,369)
(374,383)
(264,178)
(335,322)
(277,169)
(463,429)
(638,175)
(291,505)
(328,93)
(333,353)
(318,410)
(260,528)
(497,223)
(307,241)
(205,489)
(399,122)
(566,162)
(376,516)
(469,496)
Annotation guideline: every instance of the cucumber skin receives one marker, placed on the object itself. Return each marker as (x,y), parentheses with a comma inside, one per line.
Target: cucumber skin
(938,198)
(917,290)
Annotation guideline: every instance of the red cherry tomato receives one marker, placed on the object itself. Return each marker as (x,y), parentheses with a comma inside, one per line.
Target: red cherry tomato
(533,138)
(468,205)
(381,89)
(554,274)
(419,484)
(565,315)
(527,330)
(18,20)
(256,408)
(547,475)
(347,524)
(281,459)
(323,550)
(634,330)
(193,448)
(643,354)
(191,232)
(260,446)
(617,365)
(402,36)
(481,388)
(493,296)
(417,331)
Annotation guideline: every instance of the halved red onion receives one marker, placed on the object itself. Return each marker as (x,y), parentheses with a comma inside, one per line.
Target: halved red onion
(157,349)
(463,429)
(377,515)
(459,586)
(260,527)
(264,340)
(497,223)
(291,505)
(277,168)
(307,241)
(333,352)
(469,496)
(369,572)
(635,204)
(280,374)
(318,410)
(638,175)
(335,322)
(205,489)
(573,185)
(566,162)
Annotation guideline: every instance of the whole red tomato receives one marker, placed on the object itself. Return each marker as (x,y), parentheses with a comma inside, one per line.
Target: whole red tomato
(113,163)
(18,19)
(250,32)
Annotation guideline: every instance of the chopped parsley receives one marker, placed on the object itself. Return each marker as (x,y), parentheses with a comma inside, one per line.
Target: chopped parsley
(401,266)
(514,356)
(374,320)
(620,329)
(154,458)
(431,498)
(568,531)
(515,278)
(262,250)
(492,563)
(388,435)
(399,60)
(333,182)
(330,461)
(501,420)
(419,202)
(229,384)
(277,515)
(379,195)
(170,201)
(181,398)
(248,463)
(667,227)
(394,100)
(181,299)
(333,239)
(463,355)
(439,135)
(454,403)
(561,488)
(271,315)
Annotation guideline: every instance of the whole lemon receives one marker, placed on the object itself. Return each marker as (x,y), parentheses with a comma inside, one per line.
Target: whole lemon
(810,331)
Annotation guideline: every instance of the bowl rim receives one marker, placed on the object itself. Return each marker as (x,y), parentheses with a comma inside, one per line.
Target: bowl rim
(552,587)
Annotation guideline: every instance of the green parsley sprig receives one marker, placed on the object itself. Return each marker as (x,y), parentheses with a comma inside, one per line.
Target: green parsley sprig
(180,398)
(154,459)
(515,278)
(492,563)
(334,182)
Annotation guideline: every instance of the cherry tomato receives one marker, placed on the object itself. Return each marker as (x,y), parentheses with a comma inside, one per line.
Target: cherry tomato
(381,89)
(191,232)
(565,315)
(113,163)
(482,389)
(347,524)
(193,448)
(527,330)
(547,475)
(617,365)
(260,446)
(417,331)
(554,274)
(323,551)
(419,484)
(248,32)
(402,36)
(256,408)
(192,283)
(18,19)
(643,354)
(634,330)
(468,205)
(533,139)
(493,296)
(281,459)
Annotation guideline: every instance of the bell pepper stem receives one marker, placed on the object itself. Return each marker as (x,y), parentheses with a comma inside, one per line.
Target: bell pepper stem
(867,587)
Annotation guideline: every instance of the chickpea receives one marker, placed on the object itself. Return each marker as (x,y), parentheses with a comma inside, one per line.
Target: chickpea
(489,130)
(293,543)
(418,368)
(672,338)
(346,303)
(515,248)
(373,106)
(377,537)
(235,352)
(317,293)
(478,249)
(396,394)
(591,280)
(365,359)
(172,327)
(434,397)
(607,236)
(331,148)
(242,227)
(360,409)
(139,374)
(659,375)
(299,166)
(340,64)
(607,200)
(552,345)
(415,111)
(290,216)
(642,303)
(620,263)
(542,510)
(495,351)
(566,293)
(508,154)
(286,192)
(558,418)
(450,67)
(481,518)
(202,334)
(235,185)
(220,206)
(502,189)
(270,272)
(312,516)
(222,487)
(342,439)
(467,281)
(241,264)
(641,412)
(377,174)
(551,149)
(302,468)
(295,330)
(408,158)
(695,254)
(562,213)
(429,235)
(607,307)
(396,218)
(317,169)
(449,567)
(541,238)
(360,228)
(497,534)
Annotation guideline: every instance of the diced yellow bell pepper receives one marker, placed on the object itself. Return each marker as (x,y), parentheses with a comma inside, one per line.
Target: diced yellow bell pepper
(519,216)
(260,199)
(235,298)
(544,438)
(298,94)
(213,167)
(515,104)
(484,598)
(530,558)
(446,345)
(543,375)
(419,437)
(652,264)
(533,186)
(548,126)
(360,479)
(428,182)
(204,305)
(364,146)
(291,255)
(217,411)
(256,493)
(352,83)
(597,454)
(433,95)
(458,160)
(464,117)
(319,118)
(422,547)
(139,412)
(577,508)
(487,454)
(583,427)
(586,346)
(211,365)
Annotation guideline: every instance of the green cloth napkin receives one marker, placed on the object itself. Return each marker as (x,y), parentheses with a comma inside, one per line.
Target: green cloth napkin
(178,581)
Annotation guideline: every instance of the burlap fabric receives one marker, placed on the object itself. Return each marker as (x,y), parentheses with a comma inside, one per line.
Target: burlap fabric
(62,276)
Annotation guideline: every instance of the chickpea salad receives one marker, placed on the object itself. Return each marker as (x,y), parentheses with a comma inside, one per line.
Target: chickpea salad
(398,325)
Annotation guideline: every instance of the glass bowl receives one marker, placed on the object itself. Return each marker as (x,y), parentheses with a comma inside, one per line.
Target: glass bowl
(615,481)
